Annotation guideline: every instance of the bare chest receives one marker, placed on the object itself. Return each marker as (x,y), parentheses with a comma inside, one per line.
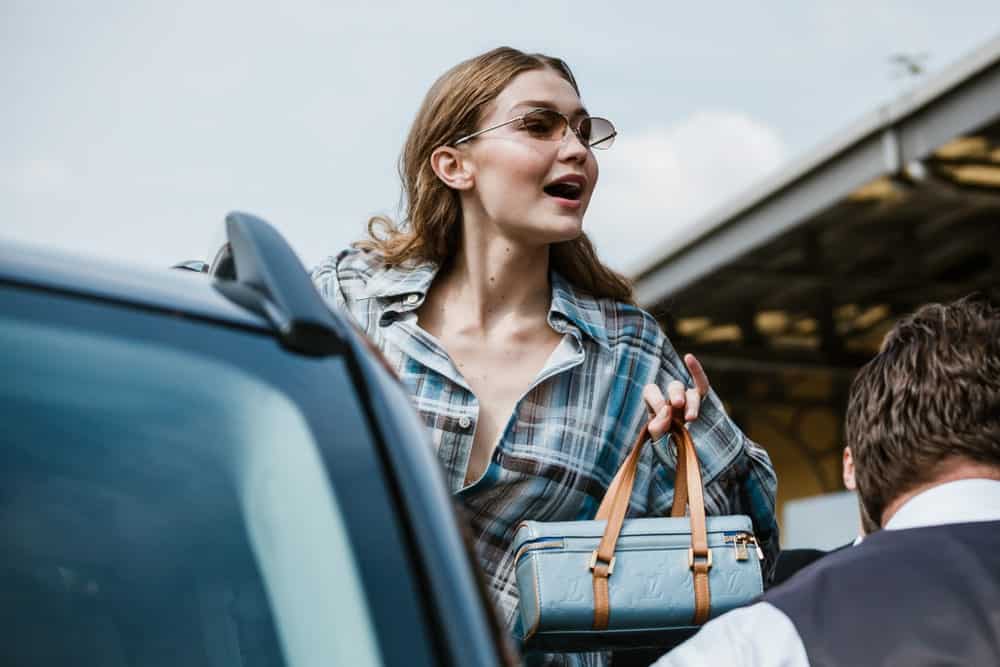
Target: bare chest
(499,372)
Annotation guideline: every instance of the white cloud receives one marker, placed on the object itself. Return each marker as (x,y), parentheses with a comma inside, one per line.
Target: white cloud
(655,183)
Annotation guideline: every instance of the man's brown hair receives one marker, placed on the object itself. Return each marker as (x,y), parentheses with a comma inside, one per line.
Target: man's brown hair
(930,396)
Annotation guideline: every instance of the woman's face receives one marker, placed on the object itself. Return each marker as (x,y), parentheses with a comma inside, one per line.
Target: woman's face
(514,172)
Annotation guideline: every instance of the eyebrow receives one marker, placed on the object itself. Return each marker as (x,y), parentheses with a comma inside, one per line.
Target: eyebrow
(543,104)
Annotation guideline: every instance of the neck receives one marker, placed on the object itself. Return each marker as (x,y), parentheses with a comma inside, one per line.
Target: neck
(951,470)
(495,279)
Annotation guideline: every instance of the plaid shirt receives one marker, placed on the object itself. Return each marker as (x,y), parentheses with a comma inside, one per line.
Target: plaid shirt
(573,427)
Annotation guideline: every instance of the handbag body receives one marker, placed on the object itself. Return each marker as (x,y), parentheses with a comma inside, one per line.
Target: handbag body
(612,583)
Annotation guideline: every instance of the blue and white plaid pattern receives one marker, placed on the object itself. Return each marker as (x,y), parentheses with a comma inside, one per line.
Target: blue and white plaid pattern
(572,429)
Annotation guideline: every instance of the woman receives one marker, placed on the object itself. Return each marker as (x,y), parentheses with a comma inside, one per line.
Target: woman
(525,355)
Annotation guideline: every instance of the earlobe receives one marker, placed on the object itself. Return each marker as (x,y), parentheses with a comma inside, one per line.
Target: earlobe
(450,165)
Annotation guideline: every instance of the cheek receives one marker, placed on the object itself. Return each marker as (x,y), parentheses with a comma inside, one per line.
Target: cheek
(516,173)
(530,166)
(593,173)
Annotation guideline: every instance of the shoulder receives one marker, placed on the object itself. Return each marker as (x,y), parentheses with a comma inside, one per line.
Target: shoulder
(346,275)
(842,567)
(633,331)
(628,325)
(791,561)
(615,325)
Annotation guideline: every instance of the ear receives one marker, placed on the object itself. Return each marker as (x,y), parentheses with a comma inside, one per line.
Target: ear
(452,167)
(849,483)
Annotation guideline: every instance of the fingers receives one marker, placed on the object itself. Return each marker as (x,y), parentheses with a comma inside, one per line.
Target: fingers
(697,374)
(693,405)
(679,398)
(654,399)
(659,410)
(675,390)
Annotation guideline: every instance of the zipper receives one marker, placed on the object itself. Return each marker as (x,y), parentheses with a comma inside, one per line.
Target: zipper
(740,541)
(544,543)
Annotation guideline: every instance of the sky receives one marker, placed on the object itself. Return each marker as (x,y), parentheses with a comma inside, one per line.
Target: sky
(129,129)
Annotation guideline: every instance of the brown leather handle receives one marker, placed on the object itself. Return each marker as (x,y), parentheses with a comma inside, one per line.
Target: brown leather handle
(688,491)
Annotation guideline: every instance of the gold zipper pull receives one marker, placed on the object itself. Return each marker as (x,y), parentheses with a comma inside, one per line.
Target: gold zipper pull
(760,552)
(739,541)
(739,548)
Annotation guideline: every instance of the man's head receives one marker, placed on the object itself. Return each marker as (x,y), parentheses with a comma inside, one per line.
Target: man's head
(930,400)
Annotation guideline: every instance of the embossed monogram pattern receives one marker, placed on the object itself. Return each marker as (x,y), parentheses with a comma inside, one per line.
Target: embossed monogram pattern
(649,582)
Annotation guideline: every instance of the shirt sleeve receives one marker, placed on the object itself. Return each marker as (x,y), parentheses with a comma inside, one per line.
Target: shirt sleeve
(325,278)
(756,636)
(737,472)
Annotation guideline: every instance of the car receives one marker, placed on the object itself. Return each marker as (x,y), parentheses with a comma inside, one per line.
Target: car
(214,469)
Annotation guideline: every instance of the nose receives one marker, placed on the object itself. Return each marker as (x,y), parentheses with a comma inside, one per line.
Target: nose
(572,146)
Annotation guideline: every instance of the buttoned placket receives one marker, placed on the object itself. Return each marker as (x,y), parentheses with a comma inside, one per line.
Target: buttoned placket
(404,332)
(400,329)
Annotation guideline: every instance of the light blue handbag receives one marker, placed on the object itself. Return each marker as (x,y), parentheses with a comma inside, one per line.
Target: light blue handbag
(611,583)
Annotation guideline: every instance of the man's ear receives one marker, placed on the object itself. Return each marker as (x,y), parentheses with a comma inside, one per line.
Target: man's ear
(451,166)
(848,471)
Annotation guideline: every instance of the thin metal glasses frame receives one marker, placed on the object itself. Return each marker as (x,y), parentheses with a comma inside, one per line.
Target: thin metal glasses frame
(568,125)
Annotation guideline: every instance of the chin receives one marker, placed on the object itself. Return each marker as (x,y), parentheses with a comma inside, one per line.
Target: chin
(550,236)
(546,230)
(563,228)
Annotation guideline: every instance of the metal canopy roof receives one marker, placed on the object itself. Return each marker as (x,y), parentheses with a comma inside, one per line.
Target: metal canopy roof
(806,273)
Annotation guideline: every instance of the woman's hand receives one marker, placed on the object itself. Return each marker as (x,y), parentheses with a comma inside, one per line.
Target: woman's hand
(680,399)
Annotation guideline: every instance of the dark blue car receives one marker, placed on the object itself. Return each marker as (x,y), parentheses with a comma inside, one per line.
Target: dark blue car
(215,472)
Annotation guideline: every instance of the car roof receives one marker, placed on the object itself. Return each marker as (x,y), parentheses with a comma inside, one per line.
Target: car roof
(177,291)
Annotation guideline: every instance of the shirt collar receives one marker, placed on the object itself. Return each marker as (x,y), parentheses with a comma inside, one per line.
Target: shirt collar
(581,309)
(961,501)
(413,280)
(409,280)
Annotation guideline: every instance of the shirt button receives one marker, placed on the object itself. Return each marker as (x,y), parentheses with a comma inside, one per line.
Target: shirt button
(412,298)
(464,422)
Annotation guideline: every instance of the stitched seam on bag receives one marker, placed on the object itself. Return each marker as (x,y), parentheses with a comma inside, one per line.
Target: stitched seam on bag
(760,577)
(537,585)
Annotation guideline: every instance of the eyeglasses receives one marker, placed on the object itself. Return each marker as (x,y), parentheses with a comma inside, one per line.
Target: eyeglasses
(550,125)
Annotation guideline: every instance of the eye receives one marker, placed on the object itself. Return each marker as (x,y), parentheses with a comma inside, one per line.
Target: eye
(543,123)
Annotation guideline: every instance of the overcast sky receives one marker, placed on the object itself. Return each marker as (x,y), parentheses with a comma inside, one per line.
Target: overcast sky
(129,129)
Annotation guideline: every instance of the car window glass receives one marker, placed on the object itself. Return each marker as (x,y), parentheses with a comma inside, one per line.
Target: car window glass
(163,508)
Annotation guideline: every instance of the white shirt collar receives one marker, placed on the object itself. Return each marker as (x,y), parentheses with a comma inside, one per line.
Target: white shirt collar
(962,501)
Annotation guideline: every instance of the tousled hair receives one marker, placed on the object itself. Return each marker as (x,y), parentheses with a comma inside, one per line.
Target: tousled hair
(431,227)
(929,397)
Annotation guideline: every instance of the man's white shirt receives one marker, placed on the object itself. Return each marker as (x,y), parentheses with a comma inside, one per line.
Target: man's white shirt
(761,635)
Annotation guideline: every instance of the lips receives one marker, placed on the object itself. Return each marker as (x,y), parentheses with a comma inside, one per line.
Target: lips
(569,187)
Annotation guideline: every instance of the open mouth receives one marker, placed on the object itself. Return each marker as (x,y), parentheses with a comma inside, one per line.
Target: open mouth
(564,190)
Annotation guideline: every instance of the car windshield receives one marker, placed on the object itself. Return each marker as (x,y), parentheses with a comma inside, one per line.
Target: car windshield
(162,508)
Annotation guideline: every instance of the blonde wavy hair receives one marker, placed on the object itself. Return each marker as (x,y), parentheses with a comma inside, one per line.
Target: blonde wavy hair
(432,225)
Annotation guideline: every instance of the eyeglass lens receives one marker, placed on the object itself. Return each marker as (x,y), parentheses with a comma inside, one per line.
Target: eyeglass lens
(550,125)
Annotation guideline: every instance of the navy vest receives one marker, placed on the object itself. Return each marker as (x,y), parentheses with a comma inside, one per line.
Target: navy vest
(920,596)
